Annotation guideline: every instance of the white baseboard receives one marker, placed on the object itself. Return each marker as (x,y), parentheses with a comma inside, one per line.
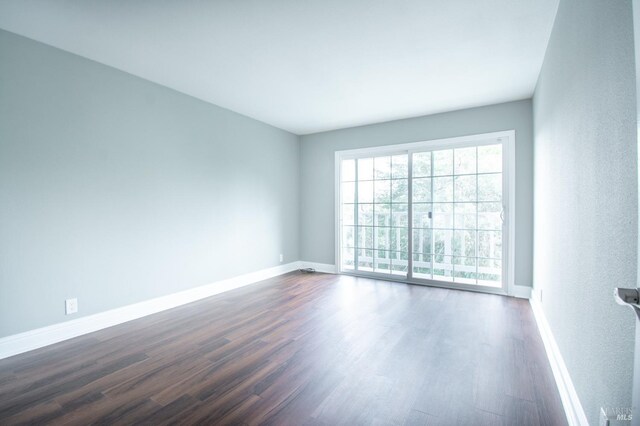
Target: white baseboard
(319,267)
(572,406)
(40,337)
(521,291)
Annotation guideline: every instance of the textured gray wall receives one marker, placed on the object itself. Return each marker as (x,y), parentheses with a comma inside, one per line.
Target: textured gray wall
(317,234)
(116,190)
(586,195)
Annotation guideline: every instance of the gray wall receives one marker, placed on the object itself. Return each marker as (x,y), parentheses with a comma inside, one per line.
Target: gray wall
(317,234)
(116,190)
(586,195)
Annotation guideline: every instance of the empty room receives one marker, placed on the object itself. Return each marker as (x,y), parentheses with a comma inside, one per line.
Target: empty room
(356,212)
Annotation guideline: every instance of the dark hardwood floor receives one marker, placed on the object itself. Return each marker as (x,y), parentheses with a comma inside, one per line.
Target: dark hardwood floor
(298,349)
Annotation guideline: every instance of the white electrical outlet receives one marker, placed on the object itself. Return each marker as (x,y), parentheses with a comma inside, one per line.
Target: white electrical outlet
(281,257)
(71,306)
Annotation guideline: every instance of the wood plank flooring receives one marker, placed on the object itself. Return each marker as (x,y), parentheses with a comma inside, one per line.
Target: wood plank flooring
(299,349)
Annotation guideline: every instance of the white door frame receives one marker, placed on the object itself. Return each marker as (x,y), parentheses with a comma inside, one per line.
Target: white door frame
(509,169)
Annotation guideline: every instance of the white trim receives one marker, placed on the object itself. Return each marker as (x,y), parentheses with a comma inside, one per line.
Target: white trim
(40,337)
(521,291)
(337,206)
(509,172)
(511,212)
(320,267)
(471,140)
(570,401)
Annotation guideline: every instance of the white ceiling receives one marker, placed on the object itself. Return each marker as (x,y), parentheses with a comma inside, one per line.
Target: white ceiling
(308,65)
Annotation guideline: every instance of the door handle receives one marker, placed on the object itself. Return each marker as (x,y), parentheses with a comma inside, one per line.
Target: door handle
(628,297)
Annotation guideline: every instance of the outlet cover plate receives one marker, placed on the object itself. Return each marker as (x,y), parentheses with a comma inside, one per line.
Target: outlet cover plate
(71,306)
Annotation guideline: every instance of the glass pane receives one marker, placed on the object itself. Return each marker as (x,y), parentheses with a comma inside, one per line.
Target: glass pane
(347,258)
(422,266)
(365,192)
(348,236)
(443,216)
(490,187)
(465,161)
(442,268)
(442,189)
(422,241)
(399,215)
(490,272)
(365,260)
(383,215)
(399,166)
(383,238)
(382,261)
(422,164)
(465,215)
(490,158)
(348,213)
(443,162)
(348,171)
(365,169)
(365,214)
(382,167)
(421,213)
(399,263)
(464,243)
(383,191)
(488,265)
(490,244)
(465,188)
(422,190)
(365,237)
(399,190)
(442,242)
(399,239)
(464,270)
(489,216)
(348,192)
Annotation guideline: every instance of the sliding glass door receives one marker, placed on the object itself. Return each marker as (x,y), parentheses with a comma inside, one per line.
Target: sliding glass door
(432,213)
